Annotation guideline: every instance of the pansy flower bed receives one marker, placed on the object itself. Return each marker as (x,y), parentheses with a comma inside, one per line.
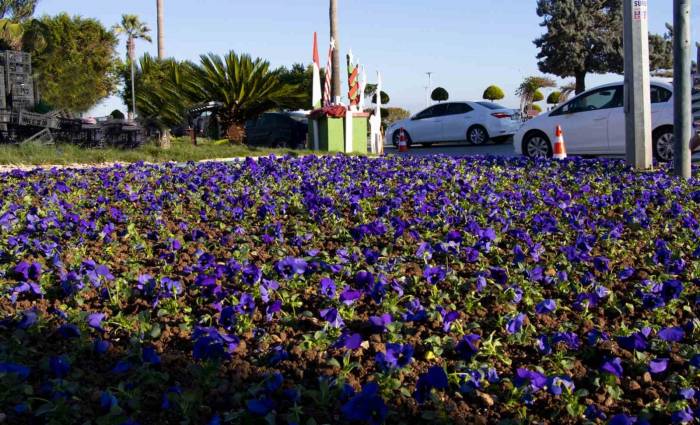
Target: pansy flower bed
(350,290)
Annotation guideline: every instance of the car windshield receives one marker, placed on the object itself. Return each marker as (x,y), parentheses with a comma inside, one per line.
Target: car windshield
(491,105)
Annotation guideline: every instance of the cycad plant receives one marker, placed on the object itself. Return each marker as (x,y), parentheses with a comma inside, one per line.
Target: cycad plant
(162,96)
(245,87)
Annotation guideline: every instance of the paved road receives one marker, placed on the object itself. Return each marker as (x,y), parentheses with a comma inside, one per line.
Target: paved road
(456,149)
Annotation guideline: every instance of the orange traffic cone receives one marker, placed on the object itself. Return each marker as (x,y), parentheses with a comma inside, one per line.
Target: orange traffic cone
(403,145)
(559,148)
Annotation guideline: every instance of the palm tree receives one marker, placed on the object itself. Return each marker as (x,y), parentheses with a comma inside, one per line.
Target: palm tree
(161,37)
(335,86)
(566,91)
(134,29)
(529,88)
(244,87)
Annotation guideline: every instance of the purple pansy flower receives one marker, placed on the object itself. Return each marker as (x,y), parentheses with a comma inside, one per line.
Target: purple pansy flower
(349,296)
(260,407)
(546,306)
(658,365)
(367,406)
(623,419)
(397,356)
(149,355)
(467,347)
(59,366)
(613,366)
(672,334)
(557,384)
(29,319)
(636,341)
(332,316)
(515,324)
(328,287)
(533,379)
(209,344)
(379,323)
(94,320)
(349,341)
(434,275)
(290,266)
(434,378)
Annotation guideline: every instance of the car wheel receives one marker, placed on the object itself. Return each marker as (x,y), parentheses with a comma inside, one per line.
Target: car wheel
(477,135)
(280,144)
(663,144)
(395,139)
(537,146)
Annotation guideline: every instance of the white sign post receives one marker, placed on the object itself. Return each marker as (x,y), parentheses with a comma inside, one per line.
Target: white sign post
(637,89)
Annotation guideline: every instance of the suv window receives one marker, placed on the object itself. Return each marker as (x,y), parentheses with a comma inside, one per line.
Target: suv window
(458,108)
(605,98)
(440,110)
(426,113)
(660,95)
(264,120)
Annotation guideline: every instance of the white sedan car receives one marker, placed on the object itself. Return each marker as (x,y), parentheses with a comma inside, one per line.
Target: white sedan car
(594,124)
(473,122)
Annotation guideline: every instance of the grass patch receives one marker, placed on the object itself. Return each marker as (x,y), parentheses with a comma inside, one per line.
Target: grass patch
(182,150)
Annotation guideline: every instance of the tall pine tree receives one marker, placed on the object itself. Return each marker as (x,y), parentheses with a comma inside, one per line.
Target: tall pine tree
(585,36)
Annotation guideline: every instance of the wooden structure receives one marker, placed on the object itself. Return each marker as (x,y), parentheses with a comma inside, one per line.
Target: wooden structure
(19,122)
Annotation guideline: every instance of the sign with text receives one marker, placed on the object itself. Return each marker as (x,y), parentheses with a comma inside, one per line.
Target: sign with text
(640,10)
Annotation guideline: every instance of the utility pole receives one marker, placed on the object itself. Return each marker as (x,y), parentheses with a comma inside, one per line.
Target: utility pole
(335,83)
(427,89)
(682,88)
(161,37)
(637,85)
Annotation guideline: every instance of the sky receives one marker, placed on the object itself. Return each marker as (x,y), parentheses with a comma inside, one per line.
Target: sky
(467,44)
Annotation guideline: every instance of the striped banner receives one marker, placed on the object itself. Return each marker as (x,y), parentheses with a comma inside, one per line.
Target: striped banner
(316,96)
(329,71)
(354,86)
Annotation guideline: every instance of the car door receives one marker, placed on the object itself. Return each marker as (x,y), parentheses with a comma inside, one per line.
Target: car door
(427,125)
(584,120)
(660,103)
(459,117)
(256,131)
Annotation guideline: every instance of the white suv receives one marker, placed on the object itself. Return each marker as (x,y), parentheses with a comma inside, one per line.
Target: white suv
(594,124)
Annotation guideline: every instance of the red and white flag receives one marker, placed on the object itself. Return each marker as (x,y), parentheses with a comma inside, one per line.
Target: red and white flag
(316,95)
(327,87)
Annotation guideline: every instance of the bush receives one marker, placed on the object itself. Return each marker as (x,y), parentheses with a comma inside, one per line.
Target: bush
(440,95)
(537,108)
(494,93)
(538,96)
(554,97)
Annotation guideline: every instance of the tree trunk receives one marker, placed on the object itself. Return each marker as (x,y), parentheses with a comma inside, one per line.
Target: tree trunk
(335,86)
(235,133)
(161,37)
(580,82)
(164,139)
